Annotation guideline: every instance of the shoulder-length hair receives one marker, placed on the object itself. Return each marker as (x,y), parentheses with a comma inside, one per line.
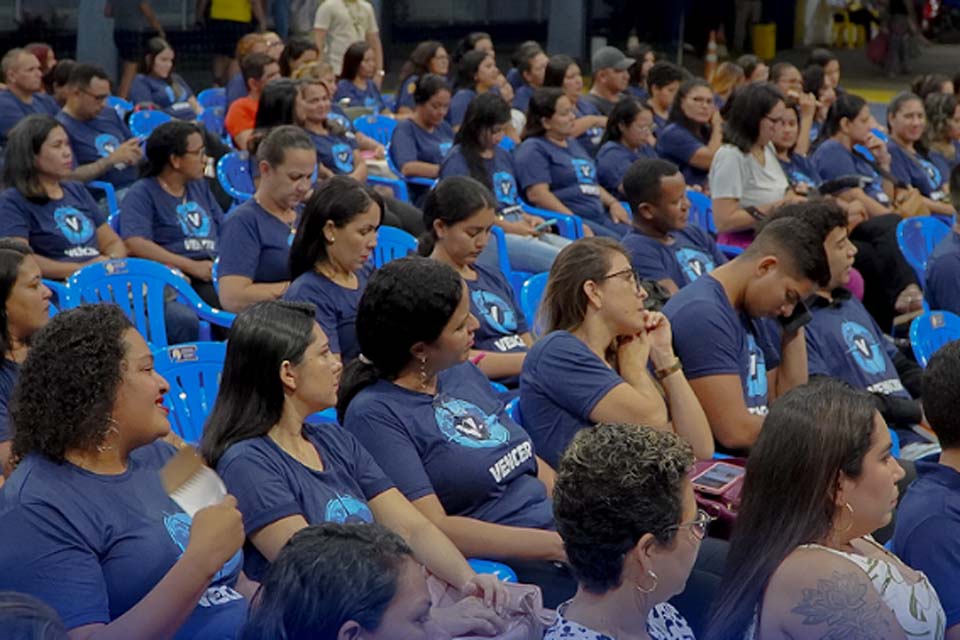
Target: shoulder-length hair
(20,158)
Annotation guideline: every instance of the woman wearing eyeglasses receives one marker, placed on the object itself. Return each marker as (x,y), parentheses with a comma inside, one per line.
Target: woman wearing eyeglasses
(628,138)
(591,366)
(629,559)
(694,132)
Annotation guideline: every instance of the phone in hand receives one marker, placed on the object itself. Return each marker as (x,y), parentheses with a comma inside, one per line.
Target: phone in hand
(799,318)
(546,224)
(717,478)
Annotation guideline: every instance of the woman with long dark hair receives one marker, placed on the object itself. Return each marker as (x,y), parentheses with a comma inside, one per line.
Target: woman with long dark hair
(297,53)
(431,420)
(427,57)
(474,41)
(477,73)
(419,143)
(802,563)
(629,137)
(477,153)
(694,132)
(815,83)
(563,72)
(156,83)
(943,130)
(356,85)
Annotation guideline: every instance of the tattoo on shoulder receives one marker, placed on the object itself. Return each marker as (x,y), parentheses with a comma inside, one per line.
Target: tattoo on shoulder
(840,604)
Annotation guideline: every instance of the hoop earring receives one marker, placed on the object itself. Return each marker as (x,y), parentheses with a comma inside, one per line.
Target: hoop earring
(656,581)
(112,430)
(849,526)
(423,372)
(331,240)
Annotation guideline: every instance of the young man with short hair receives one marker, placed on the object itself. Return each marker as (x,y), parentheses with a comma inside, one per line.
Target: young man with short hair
(737,361)
(258,70)
(662,245)
(611,76)
(663,82)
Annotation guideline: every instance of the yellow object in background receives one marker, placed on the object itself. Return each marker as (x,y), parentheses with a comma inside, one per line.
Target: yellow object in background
(764,38)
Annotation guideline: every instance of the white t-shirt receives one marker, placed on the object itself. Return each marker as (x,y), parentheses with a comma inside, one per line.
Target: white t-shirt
(734,174)
(345,22)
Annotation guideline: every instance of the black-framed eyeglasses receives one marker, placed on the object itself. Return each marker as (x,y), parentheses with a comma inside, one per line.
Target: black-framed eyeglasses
(698,526)
(630,275)
(202,151)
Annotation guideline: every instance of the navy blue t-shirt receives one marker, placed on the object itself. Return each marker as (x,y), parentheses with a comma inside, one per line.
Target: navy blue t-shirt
(460,445)
(692,254)
(336,308)
(521,97)
(270,484)
(943,163)
(943,275)
(844,341)
(98,138)
(589,139)
(614,159)
(9,374)
(917,171)
(458,106)
(257,244)
(561,383)
(64,230)
(927,533)
(801,170)
(368,97)
(92,546)
(405,93)
(569,171)
(187,226)
(500,168)
(832,160)
(410,143)
(172,97)
(494,305)
(712,338)
(236,88)
(677,144)
(334,152)
(12,110)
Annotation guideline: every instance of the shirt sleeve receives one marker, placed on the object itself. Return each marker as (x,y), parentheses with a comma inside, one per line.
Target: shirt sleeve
(647,262)
(244,253)
(241,117)
(458,107)
(13,219)
(533,165)
(831,166)
(816,365)
(326,311)
(403,145)
(566,359)
(934,549)
(371,17)
(704,341)
(726,178)
(139,91)
(323,17)
(941,288)
(454,164)
(678,144)
(368,474)
(263,494)
(136,213)
(899,164)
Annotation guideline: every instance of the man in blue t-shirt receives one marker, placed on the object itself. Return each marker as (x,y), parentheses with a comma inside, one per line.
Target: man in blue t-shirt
(731,353)
(943,273)
(103,147)
(24,93)
(927,533)
(662,246)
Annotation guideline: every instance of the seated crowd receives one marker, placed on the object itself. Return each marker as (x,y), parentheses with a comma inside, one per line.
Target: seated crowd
(719,275)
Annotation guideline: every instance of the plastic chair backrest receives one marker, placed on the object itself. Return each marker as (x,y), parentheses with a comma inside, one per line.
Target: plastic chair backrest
(918,237)
(392,243)
(212,120)
(327,416)
(138,287)
(530,295)
(513,410)
(502,572)
(213,97)
(378,127)
(507,143)
(341,119)
(930,331)
(514,277)
(59,291)
(193,371)
(142,123)
(233,174)
(701,211)
(121,106)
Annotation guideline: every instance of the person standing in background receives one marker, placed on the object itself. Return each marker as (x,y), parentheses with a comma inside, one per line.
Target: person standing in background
(230,20)
(748,13)
(129,19)
(340,23)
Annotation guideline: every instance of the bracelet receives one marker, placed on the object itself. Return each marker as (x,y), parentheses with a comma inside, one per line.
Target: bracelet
(476,360)
(755,213)
(666,371)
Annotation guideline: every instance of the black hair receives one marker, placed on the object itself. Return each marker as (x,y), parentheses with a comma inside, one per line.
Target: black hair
(250,400)
(80,354)
(638,52)
(418,64)
(749,63)
(155,46)
(543,104)
(325,576)
(339,199)
(466,44)
(273,148)
(12,253)
(253,66)
(821,214)
(663,73)
(467,69)
(483,113)
(780,68)
(406,301)
(928,83)
(82,74)
(453,200)
(295,48)
(524,55)
(745,110)
(23,617)
(814,80)
(24,142)
(60,74)
(278,104)
(847,105)
(352,59)
(896,105)
(557,70)
(820,57)
(939,394)
(798,246)
(429,85)
(955,186)
(700,130)
(812,434)
(169,139)
(642,181)
(622,116)
(940,108)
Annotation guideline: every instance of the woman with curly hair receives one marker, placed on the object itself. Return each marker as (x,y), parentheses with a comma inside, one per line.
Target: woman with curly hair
(25,310)
(629,522)
(87,525)
(942,135)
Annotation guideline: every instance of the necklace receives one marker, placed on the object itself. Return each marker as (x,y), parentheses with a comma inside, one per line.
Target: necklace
(282,216)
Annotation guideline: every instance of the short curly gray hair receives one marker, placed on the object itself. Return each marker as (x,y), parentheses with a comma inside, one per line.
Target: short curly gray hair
(615,483)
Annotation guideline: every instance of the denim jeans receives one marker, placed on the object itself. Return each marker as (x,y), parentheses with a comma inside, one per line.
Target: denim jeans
(533,255)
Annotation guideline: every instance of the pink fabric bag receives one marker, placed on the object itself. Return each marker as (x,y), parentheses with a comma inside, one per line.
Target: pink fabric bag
(526,617)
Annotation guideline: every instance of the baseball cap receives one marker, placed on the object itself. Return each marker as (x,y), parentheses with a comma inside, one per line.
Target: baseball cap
(611,57)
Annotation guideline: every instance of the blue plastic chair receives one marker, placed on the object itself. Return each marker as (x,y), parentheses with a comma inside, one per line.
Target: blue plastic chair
(507,143)
(515,278)
(375,126)
(193,371)
(930,331)
(327,416)
(502,572)
(399,187)
(142,123)
(430,183)
(918,237)
(530,295)
(513,410)
(233,174)
(701,215)
(109,192)
(212,120)
(570,227)
(59,290)
(121,106)
(138,286)
(342,120)
(895,443)
(392,243)
(212,98)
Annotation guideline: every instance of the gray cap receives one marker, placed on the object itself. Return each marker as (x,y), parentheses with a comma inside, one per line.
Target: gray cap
(611,58)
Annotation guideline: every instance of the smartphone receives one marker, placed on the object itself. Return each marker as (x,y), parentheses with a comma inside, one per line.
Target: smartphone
(799,318)
(546,224)
(717,478)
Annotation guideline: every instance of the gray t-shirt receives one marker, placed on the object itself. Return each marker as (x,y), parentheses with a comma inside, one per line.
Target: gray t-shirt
(734,174)
(127,15)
